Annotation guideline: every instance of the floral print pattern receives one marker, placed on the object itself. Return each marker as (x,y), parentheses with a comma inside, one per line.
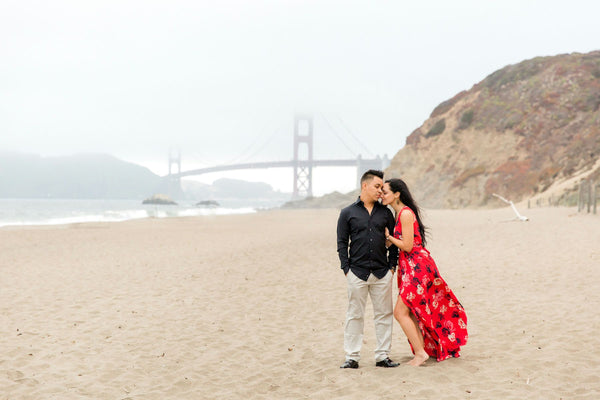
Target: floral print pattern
(441,317)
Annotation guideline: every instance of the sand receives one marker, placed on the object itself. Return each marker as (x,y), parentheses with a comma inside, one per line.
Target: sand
(253,306)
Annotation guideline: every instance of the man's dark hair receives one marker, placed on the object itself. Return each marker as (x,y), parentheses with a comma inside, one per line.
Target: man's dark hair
(370,174)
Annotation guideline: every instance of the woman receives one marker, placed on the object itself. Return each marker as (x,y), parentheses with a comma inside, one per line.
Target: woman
(430,315)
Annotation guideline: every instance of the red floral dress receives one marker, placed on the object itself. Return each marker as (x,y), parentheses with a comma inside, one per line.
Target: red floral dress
(441,317)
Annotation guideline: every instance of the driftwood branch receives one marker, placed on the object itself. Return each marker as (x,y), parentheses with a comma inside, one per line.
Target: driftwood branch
(519,216)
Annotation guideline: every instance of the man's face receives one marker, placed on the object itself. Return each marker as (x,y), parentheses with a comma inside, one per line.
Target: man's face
(371,189)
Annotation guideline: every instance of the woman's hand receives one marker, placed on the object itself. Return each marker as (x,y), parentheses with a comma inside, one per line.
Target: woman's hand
(388,243)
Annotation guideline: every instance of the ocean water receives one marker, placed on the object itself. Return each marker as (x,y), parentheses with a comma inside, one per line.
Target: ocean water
(20,212)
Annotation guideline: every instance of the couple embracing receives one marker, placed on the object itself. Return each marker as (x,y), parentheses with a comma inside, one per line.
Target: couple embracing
(371,242)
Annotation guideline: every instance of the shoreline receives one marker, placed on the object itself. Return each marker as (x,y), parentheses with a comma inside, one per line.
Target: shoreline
(522,207)
(133,215)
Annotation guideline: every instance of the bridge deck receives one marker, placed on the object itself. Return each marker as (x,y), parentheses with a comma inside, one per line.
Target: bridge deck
(278,164)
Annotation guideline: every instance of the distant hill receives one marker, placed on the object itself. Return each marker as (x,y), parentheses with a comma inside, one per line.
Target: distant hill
(330,200)
(526,130)
(78,176)
(98,176)
(226,189)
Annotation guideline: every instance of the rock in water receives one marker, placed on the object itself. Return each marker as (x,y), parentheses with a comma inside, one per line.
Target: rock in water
(159,199)
(207,203)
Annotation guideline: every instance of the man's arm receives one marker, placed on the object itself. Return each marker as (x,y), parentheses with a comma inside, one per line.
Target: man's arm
(343,235)
(392,250)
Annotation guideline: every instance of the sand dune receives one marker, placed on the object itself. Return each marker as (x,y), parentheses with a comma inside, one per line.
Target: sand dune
(253,306)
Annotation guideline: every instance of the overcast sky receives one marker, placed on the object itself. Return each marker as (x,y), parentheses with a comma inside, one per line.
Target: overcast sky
(222,80)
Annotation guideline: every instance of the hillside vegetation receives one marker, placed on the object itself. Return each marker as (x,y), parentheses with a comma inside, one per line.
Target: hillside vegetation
(526,130)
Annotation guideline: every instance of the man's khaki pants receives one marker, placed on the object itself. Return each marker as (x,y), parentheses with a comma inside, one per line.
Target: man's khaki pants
(380,291)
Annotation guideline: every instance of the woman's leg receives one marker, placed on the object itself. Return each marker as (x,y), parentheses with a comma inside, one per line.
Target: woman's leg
(412,331)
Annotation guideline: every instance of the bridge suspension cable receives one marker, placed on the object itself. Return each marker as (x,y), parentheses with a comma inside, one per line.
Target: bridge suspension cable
(269,140)
(361,144)
(336,134)
(241,157)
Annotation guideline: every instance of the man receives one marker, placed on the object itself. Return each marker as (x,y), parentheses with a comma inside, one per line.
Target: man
(368,268)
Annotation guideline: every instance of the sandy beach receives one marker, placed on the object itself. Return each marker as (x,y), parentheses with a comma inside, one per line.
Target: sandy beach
(253,306)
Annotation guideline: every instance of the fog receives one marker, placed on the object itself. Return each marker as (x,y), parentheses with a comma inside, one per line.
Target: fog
(221,81)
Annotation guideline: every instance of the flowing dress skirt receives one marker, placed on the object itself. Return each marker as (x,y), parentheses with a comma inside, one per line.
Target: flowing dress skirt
(440,315)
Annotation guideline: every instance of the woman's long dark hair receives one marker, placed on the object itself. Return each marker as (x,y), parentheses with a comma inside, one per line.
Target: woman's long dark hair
(398,186)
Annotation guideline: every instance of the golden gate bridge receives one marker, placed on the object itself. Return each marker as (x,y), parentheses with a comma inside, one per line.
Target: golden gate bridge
(302,163)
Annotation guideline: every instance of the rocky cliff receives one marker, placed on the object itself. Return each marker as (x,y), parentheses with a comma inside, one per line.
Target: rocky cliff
(526,130)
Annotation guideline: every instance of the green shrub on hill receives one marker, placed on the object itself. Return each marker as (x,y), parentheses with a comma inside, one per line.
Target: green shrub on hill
(466,119)
(437,128)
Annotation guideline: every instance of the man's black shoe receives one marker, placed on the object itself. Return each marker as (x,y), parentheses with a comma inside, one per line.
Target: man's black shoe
(350,364)
(387,363)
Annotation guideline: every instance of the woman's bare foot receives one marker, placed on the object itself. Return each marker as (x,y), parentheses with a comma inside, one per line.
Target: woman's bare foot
(419,359)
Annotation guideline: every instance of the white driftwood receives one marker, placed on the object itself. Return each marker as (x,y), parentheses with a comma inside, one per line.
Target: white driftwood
(519,216)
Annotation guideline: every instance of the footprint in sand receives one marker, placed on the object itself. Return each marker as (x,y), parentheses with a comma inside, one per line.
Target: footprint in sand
(15,375)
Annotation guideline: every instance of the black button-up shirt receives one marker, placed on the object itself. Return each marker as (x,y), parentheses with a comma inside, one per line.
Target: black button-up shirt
(366,234)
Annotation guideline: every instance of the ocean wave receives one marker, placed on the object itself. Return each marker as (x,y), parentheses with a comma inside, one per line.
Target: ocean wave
(26,216)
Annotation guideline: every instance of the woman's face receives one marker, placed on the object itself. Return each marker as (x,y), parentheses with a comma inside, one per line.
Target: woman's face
(388,196)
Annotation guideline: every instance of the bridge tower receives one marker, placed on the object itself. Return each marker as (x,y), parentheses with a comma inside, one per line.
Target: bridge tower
(363,165)
(303,165)
(174,182)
